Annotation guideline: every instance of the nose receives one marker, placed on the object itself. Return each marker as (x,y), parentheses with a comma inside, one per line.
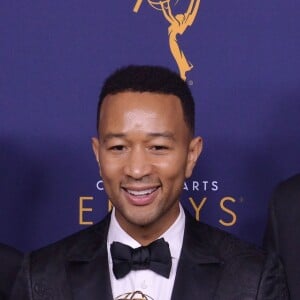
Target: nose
(138,164)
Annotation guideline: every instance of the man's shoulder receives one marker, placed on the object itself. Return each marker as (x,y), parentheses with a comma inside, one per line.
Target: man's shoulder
(291,182)
(247,270)
(8,252)
(286,193)
(224,245)
(10,263)
(83,243)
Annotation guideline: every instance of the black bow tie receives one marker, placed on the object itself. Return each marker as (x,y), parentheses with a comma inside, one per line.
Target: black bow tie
(156,257)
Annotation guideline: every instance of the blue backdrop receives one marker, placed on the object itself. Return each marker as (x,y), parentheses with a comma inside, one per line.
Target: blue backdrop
(54,57)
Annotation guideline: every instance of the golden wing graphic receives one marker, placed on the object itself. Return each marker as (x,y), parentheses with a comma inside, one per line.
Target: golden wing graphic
(137,5)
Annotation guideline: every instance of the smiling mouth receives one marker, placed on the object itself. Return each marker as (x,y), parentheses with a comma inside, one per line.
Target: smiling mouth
(141,193)
(140,196)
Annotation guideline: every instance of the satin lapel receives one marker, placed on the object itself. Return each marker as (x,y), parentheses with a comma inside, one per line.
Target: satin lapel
(199,267)
(87,266)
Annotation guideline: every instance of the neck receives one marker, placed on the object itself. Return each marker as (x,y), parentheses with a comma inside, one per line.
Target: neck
(147,233)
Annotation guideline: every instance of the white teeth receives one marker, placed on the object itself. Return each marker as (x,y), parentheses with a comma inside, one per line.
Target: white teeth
(141,193)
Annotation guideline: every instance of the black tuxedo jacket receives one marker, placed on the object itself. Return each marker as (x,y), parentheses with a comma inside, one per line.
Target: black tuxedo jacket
(283,230)
(10,262)
(213,265)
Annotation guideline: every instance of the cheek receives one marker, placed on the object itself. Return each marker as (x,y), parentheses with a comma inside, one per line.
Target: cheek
(111,180)
(110,169)
(172,168)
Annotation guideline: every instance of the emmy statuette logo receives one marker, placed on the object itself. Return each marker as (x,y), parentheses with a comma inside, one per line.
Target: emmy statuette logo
(178,23)
(137,295)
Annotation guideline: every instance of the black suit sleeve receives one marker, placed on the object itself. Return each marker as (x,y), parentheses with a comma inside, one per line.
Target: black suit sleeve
(22,286)
(282,234)
(271,237)
(273,285)
(10,263)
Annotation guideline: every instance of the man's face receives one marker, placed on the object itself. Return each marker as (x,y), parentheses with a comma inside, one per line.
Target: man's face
(145,152)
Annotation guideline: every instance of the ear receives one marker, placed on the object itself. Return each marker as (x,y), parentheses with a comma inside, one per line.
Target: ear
(96,146)
(194,151)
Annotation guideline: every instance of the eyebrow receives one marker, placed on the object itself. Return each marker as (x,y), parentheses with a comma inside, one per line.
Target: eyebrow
(111,135)
(166,134)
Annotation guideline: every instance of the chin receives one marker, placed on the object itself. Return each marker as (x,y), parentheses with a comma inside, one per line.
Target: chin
(141,219)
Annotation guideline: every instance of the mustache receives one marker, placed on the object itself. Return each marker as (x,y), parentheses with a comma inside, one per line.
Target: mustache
(147,180)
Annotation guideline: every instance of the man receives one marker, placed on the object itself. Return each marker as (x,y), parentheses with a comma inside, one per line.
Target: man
(283,230)
(10,262)
(145,150)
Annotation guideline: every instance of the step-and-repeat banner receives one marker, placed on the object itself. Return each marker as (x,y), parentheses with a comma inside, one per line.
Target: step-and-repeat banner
(240,58)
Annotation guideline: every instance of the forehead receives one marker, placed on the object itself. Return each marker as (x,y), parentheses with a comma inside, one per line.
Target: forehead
(141,110)
(140,100)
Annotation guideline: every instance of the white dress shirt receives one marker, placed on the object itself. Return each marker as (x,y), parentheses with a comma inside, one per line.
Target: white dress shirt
(148,282)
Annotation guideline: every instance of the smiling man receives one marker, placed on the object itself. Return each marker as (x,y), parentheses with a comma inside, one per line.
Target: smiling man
(149,247)
(144,159)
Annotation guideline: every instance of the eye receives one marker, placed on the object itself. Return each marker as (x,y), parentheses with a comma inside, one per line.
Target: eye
(117,148)
(159,149)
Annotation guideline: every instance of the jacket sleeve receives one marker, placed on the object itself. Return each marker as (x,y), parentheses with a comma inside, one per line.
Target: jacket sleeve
(271,240)
(273,284)
(22,285)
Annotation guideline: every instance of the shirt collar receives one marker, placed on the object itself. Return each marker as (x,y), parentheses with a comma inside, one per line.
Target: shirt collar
(174,234)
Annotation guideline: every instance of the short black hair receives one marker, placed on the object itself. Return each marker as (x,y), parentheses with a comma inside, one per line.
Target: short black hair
(155,79)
